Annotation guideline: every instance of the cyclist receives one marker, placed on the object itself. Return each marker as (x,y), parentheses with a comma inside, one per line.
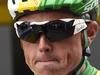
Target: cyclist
(56,35)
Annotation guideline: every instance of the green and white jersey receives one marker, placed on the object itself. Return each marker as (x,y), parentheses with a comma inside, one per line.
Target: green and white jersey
(90,70)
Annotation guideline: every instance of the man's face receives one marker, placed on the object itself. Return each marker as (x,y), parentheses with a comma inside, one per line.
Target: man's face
(49,58)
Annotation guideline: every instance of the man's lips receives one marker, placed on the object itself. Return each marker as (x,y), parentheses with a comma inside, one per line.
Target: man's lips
(45,60)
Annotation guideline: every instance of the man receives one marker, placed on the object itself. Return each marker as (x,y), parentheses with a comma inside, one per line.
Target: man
(55,35)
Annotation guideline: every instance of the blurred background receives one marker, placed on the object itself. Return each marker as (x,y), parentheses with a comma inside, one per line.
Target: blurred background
(11,55)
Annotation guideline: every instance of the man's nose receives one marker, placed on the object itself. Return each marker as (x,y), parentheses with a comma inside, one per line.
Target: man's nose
(44,44)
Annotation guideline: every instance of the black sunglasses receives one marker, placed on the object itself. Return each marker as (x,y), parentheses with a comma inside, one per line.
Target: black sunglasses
(53,30)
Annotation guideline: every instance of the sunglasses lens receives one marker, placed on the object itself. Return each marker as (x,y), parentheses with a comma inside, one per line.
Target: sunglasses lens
(58,35)
(59,30)
(27,33)
(30,37)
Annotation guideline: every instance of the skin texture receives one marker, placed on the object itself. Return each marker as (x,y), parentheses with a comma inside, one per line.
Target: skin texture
(55,58)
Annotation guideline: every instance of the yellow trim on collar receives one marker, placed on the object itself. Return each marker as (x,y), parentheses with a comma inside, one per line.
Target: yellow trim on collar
(98,73)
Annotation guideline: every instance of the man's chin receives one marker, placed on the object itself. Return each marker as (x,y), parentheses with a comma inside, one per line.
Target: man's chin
(46,72)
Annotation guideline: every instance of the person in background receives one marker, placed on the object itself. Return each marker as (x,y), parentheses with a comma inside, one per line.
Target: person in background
(56,35)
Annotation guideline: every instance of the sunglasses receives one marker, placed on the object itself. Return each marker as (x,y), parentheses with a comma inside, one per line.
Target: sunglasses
(55,30)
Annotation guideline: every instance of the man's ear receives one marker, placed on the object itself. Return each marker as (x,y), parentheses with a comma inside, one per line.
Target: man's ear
(92,29)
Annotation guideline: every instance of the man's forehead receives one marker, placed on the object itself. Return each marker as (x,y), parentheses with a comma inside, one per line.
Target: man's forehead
(47,15)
